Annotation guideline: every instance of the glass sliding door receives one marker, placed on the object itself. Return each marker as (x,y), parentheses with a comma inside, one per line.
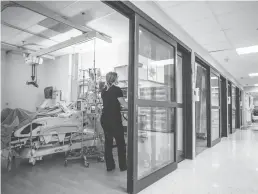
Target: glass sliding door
(155,105)
(234,112)
(215,107)
(241,108)
(180,123)
(223,107)
(201,113)
(229,108)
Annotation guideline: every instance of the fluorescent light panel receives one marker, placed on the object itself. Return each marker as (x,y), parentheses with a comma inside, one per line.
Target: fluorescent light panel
(214,77)
(253,74)
(255,84)
(247,50)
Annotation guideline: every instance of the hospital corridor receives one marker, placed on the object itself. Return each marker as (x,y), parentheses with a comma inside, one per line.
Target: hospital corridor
(229,167)
(116,97)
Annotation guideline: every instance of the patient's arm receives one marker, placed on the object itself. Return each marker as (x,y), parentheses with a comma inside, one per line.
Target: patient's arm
(123,102)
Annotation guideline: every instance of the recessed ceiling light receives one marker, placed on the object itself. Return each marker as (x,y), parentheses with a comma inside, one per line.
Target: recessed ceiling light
(253,74)
(247,50)
(255,84)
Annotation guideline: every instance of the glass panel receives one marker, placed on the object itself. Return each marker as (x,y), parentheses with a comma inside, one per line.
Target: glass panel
(233,107)
(201,108)
(233,97)
(233,118)
(214,90)
(156,139)
(156,68)
(215,124)
(180,130)
(229,107)
(179,79)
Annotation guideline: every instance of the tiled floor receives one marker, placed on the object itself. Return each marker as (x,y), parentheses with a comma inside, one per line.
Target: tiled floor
(230,167)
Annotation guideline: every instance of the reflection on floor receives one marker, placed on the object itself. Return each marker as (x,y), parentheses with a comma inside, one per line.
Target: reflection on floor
(201,145)
(51,177)
(230,167)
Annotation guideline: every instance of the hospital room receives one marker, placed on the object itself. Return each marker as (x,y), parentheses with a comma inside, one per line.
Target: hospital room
(52,76)
(58,82)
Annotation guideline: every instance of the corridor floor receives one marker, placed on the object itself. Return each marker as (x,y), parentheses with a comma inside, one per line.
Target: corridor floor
(230,167)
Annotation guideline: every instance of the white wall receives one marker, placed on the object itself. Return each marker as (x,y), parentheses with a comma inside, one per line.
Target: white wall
(3,70)
(57,74)
(16,94)
(15,73)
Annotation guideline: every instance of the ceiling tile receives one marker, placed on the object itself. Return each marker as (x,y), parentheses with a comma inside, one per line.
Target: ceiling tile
(239,21)
(250,59)
(224,7)
(170,4)
(215,37)
(22,18)
(187,13)
(19,38)
(242,38)
(44,42)
(231,55)
(56,6)
(8,33)
(84,6)
(36,29)
(40,41)
(204,26)
(118,27)
(217,46)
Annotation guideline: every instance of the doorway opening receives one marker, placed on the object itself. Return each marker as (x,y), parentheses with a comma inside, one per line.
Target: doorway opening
(224,107)
(201,108)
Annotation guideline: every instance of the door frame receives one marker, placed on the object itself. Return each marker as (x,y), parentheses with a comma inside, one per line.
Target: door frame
(200,62)
(237,108)
(129,10)
(181,156)
(241,107)
(187,103)
(233,87)
(138,185)
(211,142)
(224,107)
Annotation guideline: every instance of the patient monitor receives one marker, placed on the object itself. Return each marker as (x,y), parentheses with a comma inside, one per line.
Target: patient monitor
(52,97)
